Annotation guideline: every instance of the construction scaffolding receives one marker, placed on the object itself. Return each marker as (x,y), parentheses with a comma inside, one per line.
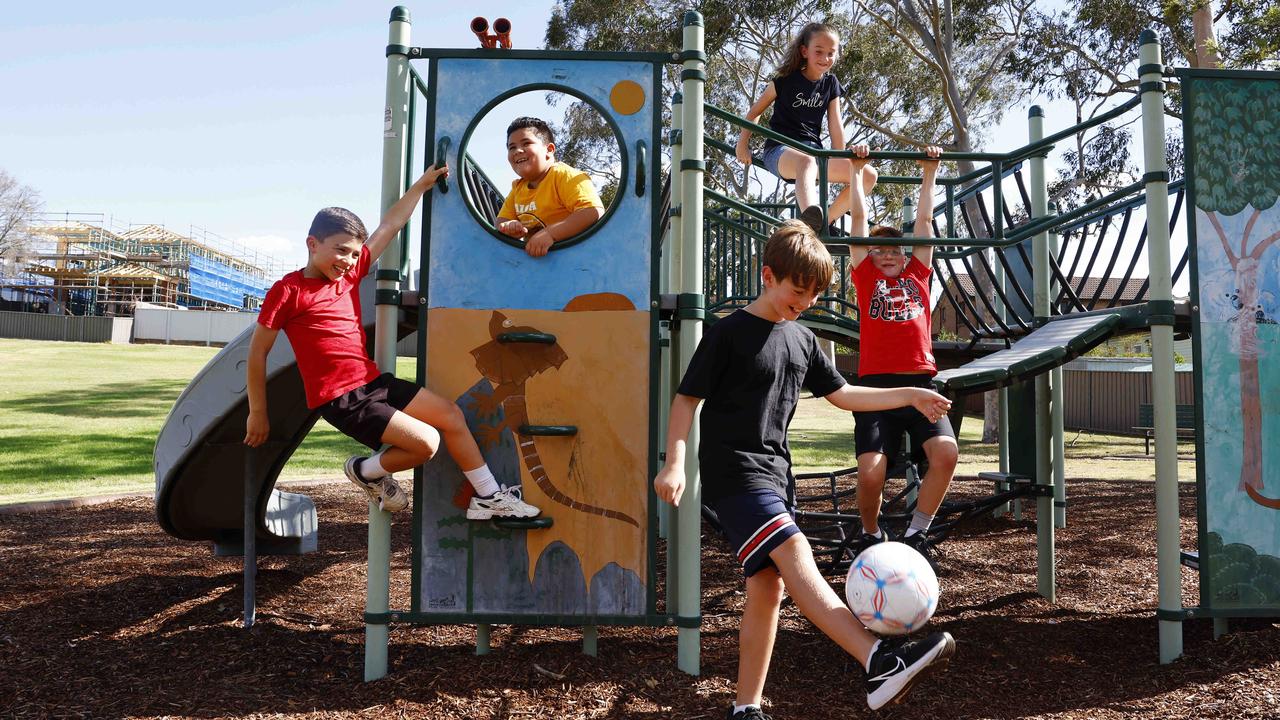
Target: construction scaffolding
(92,266)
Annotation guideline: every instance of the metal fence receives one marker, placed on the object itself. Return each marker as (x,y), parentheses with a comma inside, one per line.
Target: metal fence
(67,328)
(1103,394)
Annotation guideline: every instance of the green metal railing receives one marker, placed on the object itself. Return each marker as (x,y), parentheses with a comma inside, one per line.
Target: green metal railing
(998,165)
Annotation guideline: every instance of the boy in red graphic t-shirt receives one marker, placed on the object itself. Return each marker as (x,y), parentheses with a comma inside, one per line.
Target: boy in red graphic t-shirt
(895,350)
(318,308)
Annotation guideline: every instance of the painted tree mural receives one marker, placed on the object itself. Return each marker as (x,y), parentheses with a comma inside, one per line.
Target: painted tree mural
(1236,158)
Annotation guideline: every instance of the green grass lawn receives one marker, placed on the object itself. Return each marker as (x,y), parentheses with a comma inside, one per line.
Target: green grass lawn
(82,419)
(821,438)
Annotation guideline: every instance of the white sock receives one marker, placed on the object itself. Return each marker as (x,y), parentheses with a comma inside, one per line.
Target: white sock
(739,708)
(482,480)
(920,522)
(875,532)
(371,468)
(867,665)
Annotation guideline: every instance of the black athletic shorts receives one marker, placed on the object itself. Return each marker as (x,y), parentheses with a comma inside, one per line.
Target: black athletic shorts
(364,413)
(881,431)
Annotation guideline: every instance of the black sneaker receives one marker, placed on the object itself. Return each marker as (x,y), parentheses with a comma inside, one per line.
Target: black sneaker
(866,540)
(751,713)
(812,216)
(898,663)
(921,543)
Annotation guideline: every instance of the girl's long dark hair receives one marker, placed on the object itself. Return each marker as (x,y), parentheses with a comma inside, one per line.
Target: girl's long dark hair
(793,60)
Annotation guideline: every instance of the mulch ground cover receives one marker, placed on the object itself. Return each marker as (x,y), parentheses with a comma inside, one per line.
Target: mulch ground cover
(103,615)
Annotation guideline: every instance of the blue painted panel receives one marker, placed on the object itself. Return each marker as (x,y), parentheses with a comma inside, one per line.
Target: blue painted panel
(470,268)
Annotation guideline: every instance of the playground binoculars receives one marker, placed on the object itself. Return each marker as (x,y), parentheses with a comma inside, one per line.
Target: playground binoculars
(501,29)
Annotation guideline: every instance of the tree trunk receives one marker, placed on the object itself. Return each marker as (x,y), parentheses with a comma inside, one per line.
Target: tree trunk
(1202,25)
(991,416)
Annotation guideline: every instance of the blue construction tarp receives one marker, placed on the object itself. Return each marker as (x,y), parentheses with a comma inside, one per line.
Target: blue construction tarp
(219,282)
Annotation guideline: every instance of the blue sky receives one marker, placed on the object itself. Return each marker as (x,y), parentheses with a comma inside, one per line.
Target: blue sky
(242,118)
(239,118)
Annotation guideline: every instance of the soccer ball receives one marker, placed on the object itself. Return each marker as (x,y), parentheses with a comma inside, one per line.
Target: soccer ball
(891,589)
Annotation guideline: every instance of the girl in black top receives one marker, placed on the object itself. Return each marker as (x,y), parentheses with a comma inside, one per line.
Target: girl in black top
(801,93)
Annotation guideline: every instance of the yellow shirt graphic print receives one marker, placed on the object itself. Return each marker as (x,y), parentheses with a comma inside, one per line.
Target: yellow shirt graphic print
(563,190)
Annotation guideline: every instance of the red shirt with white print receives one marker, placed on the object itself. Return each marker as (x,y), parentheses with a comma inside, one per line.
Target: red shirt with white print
(321,318)
(894,319)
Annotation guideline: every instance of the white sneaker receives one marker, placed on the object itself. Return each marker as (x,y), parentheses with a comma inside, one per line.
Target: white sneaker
(385,491)
(506,503)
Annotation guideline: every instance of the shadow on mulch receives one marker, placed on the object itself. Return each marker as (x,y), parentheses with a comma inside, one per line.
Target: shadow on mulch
(102,615)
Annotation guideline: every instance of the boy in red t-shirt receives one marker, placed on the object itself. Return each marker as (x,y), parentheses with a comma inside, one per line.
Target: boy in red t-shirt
(318,307)
(895,347)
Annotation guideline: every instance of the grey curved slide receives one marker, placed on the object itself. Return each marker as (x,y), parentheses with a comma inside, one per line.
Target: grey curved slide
(200,460)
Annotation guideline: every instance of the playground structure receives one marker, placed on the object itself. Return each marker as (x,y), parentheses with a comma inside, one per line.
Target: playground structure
(533,350)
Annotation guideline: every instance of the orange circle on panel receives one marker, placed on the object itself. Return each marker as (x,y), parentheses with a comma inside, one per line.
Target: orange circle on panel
(627,97)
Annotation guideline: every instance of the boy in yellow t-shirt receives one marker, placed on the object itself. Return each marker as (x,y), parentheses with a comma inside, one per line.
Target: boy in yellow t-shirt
(550,201)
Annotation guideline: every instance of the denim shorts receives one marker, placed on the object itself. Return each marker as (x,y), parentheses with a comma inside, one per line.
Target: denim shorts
(772,155)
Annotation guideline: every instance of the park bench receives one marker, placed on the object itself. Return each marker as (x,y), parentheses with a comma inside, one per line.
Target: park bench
(1186,423)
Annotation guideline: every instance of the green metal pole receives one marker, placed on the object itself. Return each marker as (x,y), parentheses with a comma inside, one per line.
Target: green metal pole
(822,193)
(1002,395)
(671,261)
(1057,422)
(1046,564)
(908,232)
(384,334)
(1156,178)
(689,514)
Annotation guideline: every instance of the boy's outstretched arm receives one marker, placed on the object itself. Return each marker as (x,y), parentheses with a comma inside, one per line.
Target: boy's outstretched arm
(858,207)
(924,210)
(398,214)
(669,484)
(257,427)
(864,399)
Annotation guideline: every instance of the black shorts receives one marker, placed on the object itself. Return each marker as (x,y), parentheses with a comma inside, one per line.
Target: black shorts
(364,413)
(881,431)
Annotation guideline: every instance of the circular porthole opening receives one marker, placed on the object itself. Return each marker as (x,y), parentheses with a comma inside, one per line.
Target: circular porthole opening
(554,178)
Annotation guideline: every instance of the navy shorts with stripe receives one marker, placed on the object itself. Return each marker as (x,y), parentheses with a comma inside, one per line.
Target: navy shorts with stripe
(755,522)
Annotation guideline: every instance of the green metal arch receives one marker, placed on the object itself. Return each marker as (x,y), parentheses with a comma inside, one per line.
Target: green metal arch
(624,152)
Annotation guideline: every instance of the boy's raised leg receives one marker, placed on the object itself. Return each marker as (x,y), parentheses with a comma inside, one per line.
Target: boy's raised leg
(445,419)
(892,666)
(817,601)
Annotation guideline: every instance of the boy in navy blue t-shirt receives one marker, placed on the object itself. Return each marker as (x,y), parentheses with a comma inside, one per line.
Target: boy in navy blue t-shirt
(749,369)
